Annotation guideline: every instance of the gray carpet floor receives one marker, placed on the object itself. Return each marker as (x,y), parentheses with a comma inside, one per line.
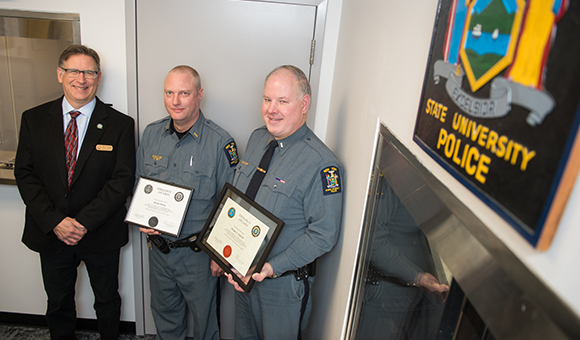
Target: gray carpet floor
(8,332)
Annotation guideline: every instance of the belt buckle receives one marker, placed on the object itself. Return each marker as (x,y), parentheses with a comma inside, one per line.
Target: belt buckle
(192,243)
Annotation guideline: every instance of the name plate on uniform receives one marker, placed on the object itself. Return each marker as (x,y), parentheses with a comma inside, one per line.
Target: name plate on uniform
(239,234)
(159,205)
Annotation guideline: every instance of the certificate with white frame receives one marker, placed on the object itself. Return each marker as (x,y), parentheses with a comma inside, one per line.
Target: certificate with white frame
(159,205)
(239,234)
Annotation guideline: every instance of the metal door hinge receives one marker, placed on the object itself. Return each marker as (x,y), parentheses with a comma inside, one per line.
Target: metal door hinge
(312,49)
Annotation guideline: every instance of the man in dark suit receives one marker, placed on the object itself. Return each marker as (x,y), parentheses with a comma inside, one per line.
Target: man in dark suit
(75,167)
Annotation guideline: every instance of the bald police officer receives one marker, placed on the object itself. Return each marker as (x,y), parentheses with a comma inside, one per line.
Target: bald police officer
(186,149)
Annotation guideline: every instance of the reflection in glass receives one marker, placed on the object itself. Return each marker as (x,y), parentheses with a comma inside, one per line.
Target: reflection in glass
(414,225)
(402,299)
(30,44)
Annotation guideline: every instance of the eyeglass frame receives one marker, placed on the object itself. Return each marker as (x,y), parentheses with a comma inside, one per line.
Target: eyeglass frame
(84,72)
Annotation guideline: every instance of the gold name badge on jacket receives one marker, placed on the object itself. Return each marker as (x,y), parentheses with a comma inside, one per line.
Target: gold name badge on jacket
(102,147)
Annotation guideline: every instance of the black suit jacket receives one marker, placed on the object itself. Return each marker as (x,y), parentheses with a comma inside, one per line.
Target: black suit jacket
(103,178)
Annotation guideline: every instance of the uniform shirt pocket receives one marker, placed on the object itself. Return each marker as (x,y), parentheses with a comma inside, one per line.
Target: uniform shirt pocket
(280,193)
(156,166)
(200,179)
(242,174)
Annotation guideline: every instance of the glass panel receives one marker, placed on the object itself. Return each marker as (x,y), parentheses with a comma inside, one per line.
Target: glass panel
(7,124)
(402,284)
(30,44)
(414,224)
(33,64)
(403,297)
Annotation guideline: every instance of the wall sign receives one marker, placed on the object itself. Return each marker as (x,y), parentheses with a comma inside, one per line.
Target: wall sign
(500,106)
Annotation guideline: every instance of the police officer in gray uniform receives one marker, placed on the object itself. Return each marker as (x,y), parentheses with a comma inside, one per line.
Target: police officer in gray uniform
(303,187)
(186,149)
(399,276)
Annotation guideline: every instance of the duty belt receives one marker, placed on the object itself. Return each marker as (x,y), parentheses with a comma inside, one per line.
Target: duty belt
(302,272)
(374,276)
(164,245)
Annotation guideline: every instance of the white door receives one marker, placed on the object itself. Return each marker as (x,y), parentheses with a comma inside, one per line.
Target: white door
(233,45)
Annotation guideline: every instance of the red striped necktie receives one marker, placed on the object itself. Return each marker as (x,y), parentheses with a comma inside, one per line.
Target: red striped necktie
(71,144)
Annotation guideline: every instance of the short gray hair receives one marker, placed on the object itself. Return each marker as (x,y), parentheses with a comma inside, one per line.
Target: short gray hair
(190,70)
(302,86)
(76,50)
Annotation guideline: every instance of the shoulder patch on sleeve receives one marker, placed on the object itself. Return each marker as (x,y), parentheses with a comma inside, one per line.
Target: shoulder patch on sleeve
(330,180)
(231,151)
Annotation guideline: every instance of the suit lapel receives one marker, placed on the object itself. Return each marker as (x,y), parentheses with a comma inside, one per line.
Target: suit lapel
(55,126)
(95,129)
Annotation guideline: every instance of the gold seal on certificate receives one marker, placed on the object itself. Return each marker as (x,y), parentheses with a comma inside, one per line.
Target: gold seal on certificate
(239,235)
(159,205)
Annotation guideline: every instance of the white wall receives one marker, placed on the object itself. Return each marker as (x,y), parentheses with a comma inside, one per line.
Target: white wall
(102,28)
(382,53)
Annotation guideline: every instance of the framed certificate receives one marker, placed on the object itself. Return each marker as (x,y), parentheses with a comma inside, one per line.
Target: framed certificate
(159,205)
(239,234)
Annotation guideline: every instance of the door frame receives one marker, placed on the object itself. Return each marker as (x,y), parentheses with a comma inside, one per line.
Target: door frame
(138,242)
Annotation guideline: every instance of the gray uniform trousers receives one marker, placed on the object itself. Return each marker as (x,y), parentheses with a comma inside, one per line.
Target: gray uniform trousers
(272,310)
(182,280)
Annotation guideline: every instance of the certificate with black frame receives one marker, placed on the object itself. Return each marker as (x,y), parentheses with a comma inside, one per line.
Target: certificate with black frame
(239,234)
(159,205)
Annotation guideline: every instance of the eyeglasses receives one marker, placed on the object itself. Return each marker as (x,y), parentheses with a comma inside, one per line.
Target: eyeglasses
(73,73)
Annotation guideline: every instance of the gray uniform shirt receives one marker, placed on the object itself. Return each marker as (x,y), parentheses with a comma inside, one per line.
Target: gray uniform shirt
(204,159)
(303,188)
(398,245)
